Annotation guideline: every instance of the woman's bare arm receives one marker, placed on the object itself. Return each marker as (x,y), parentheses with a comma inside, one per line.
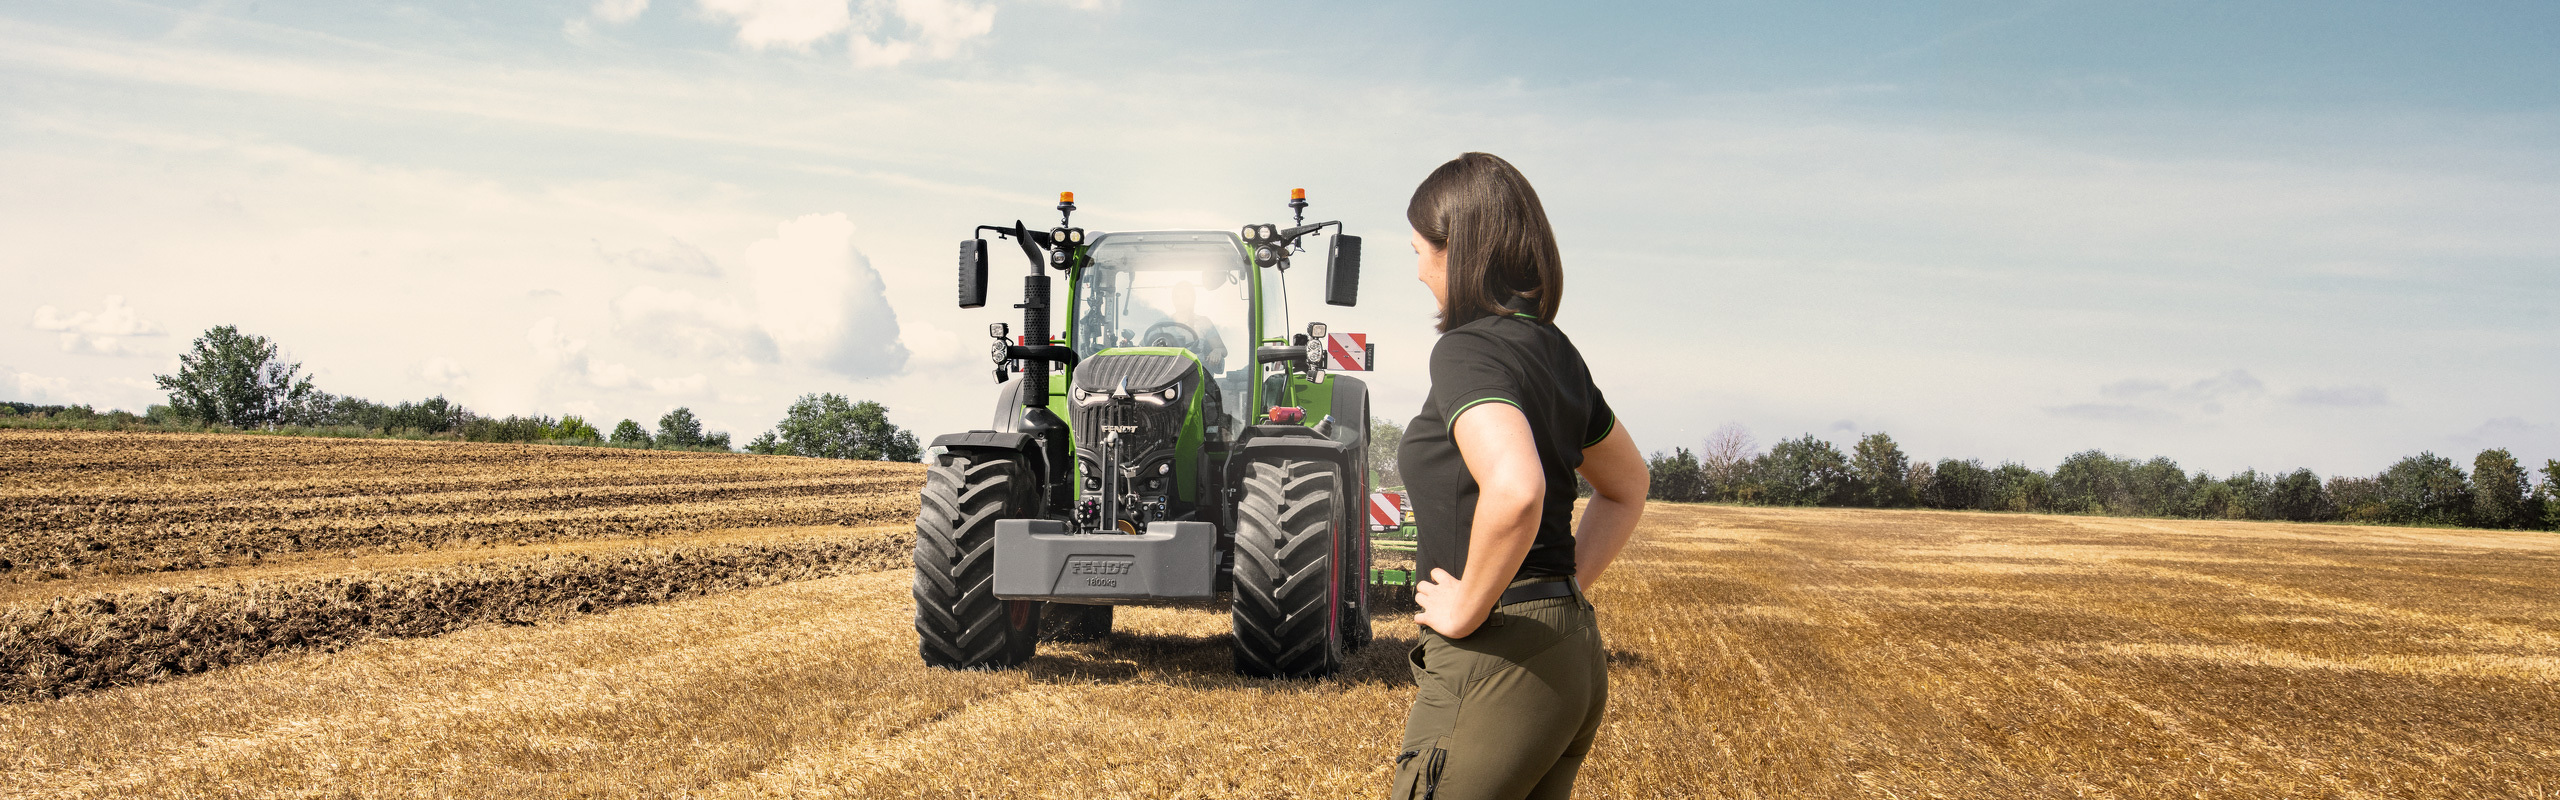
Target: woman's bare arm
(1619,482)
(1511,489)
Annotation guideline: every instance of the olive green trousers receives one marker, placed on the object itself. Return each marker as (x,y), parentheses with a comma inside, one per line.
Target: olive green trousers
(1510,710)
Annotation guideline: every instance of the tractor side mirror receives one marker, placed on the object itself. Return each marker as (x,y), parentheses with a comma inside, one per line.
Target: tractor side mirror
(1342,271)
(973,273)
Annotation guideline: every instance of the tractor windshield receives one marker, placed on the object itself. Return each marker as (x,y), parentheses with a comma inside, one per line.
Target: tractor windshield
(1187,290)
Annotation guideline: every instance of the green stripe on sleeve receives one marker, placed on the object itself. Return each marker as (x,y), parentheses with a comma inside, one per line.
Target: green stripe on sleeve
(1604,433)
(1453,415)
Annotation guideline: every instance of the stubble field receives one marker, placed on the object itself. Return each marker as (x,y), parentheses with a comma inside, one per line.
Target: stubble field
(1755,653)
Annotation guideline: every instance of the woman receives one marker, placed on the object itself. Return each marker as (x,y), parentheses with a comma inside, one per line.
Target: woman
(1510,677)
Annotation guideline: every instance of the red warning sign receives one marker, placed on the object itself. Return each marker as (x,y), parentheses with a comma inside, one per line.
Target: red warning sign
(1386,511)
(1347,352)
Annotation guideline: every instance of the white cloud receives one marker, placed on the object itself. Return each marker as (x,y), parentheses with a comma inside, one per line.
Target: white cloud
(690,384)
(105,332)
(677,258)
(445,372)
(820,300)
(28,387)
(618,11)
(567,357)
(610,376)
(2147,400)
(935,29)
(682,322)
(793,24)
(2340,396)
(554,348)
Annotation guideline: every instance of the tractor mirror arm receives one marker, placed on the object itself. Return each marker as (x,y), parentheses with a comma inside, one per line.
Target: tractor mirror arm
(1291,235)
(1033,242)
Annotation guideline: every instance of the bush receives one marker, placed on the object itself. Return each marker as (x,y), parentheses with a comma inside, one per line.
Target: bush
(1881,472)
(2297,497)
(1958,485)
(679,428)
(1805,472)
(235,379)
(2498,491)
(2425,488)
(1675,477)
(574,429)
(831,426)
(2017,487)
(628,432)
(1386,440)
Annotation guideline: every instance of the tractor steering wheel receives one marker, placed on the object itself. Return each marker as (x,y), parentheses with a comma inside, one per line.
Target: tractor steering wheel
(1168,333)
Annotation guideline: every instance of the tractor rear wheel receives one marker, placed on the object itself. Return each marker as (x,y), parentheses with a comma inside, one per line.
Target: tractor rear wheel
(1074,622)
(960,623)
(1288,570)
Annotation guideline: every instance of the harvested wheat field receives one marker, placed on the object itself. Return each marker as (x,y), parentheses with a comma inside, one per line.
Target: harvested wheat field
(1757,653)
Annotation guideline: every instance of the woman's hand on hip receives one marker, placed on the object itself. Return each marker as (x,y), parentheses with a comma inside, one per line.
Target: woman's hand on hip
(1445,605)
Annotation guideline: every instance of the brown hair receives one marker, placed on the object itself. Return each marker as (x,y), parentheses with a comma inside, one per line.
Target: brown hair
(1480,210)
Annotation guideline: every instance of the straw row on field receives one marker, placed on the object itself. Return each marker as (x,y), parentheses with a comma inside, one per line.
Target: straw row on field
(120,638)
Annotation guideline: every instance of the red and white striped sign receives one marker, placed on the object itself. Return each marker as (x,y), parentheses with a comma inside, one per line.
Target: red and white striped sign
(1347,352)
(1386,511)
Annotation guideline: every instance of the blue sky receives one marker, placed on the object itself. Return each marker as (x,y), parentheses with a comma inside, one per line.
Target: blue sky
(2239,235)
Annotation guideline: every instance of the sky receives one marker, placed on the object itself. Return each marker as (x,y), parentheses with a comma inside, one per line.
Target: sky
(2262,235)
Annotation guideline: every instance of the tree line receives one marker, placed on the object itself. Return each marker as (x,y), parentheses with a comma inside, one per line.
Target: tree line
(2425,489)
(229,380)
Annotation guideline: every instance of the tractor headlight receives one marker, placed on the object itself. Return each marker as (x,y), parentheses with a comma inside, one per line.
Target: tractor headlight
(1249,233)
(1084,397)
(1160,397)
(997,352)
(1316,330)
(1075,235)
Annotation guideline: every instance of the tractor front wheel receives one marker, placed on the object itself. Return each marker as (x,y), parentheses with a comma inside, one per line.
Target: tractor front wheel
(1288,570)
(960,623)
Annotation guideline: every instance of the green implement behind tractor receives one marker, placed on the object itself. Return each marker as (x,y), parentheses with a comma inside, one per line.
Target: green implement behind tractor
(1186,449)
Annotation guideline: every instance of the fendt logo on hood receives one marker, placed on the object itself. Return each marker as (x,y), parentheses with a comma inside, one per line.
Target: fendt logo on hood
(1119,429)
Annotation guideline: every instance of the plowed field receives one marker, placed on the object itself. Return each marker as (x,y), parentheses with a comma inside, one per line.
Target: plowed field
(130,558)
(1756,653)
(77,503)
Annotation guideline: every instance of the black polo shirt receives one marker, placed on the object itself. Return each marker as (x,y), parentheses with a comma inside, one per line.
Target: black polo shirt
(1511,358)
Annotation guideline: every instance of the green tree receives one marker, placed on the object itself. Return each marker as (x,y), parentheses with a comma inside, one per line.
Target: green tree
(2092,482)
(2018,487)
(573,428)
(2356,499)
(679,428)
(2426,488)
(629,432)
(1882,473)
(1958,485)
(1386,439)
(2551,494)
(1675,477)
(235,379)
(2159,488)
(2298,497)
(831,426)
(2498,490)
(1805,472)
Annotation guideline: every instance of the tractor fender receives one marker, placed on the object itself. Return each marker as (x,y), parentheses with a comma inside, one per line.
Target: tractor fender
(1292,441)
(1002,441)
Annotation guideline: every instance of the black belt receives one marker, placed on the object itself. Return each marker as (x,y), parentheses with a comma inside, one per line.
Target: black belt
(1542,589)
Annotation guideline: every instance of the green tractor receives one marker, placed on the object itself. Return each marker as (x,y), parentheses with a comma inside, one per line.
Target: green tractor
(1185,450)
